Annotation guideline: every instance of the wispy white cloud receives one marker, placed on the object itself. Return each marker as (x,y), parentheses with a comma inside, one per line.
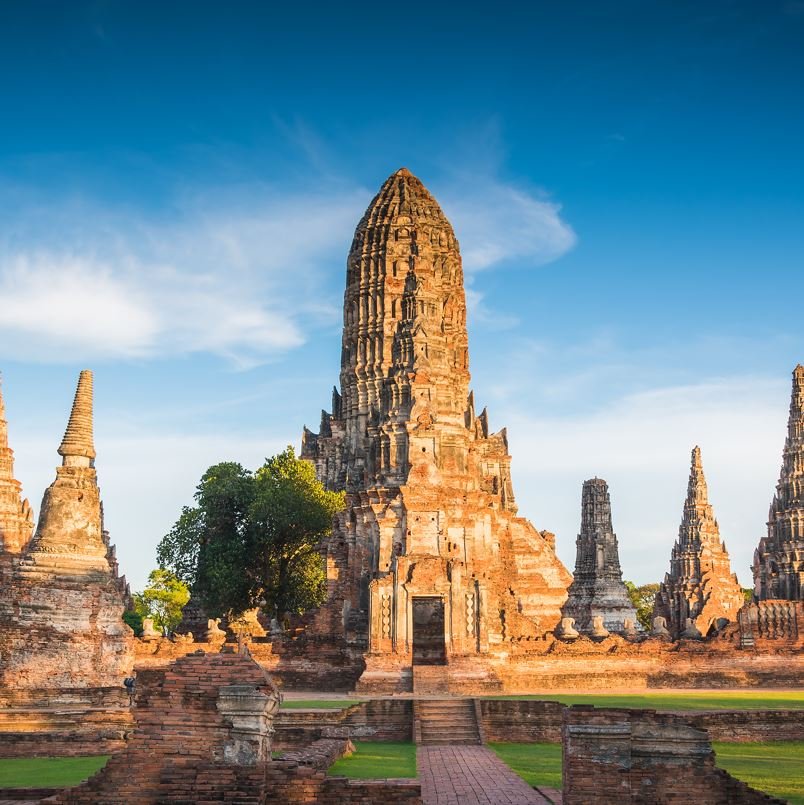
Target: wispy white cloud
(242,273)
(640,443)
(236,279)
(498,223)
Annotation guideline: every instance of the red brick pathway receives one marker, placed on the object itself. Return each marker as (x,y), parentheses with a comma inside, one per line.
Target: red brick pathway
(470,775)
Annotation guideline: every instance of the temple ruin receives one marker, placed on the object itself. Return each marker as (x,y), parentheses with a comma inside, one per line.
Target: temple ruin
(700,591)
(16,516)
(63,639)
(429,561)
(779,559)
(598,600)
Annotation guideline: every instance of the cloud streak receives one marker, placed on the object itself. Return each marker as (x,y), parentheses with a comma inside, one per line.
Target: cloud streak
(234,281)
(640,443)
(245,276)
(499,224)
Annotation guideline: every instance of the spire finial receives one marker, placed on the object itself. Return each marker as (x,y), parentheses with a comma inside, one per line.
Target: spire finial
(78,441)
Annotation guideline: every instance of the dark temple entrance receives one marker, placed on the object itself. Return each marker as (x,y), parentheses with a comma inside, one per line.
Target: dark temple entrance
(428,631)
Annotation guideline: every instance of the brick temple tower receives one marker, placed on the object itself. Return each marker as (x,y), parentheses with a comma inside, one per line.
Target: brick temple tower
(429,561)
(61,603)
(597,588)
(779,559)
(16,517)
(700,585)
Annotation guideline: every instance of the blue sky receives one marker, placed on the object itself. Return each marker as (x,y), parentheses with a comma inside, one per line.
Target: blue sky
(179,184)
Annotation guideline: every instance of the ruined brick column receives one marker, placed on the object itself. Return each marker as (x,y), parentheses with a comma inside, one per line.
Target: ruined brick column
(779,559)
(597,589)
(430,509)
(16,517)
(62,608)
(700,585)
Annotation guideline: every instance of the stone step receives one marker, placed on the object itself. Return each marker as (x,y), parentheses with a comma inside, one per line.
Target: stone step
(447,721)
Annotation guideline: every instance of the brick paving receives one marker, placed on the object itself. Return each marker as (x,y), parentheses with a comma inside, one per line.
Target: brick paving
(470,775)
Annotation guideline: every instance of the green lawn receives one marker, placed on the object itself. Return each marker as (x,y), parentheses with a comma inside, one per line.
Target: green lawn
(318,704)
(775,768)
(536,764)
(48,772)
(726,700)
(374,760)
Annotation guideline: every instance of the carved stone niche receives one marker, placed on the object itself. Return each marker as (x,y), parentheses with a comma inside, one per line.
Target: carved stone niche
(251,713)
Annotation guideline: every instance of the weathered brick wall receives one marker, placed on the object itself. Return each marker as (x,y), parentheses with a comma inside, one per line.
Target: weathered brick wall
(534,721)
(303,664)
(644,758)
(526,721)
(530,666)
(53,722)
(176,752)
(320,754)
(374,720)
(746,726)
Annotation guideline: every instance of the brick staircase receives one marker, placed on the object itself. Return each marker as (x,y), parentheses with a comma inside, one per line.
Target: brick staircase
(446,721)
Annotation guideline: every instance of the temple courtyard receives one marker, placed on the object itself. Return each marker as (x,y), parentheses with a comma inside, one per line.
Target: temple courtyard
(477,771)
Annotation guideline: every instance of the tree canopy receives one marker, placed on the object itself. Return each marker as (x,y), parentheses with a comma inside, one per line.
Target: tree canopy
(642,597)
(253,538)
(163,600)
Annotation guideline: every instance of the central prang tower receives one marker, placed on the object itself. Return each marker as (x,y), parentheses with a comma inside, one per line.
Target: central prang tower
(428,562)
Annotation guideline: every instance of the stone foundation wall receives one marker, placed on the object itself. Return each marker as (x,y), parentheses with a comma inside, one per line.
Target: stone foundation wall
(191,744)
(375,720)
(69,723)
(644,758)
(526,721)
(311,664)
(746,726)
(536,721)
(532,666)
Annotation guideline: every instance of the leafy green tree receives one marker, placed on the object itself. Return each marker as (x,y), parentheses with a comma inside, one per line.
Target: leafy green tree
(163,600)
(253,539)
(134,619)
(748,594)
(642,598)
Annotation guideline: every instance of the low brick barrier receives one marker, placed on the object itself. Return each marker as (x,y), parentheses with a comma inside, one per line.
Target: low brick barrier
(537,721)
(320,754)
(374,720)
(641,757)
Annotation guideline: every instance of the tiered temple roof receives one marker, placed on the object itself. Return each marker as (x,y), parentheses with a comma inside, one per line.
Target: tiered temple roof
(16,517)
(597,589)
(779,559)
(700,585)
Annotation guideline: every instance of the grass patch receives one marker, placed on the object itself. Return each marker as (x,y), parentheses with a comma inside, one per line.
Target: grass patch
(773,767)
(373,760)
(726,700)
(48,772)
(317,704)
(536,764)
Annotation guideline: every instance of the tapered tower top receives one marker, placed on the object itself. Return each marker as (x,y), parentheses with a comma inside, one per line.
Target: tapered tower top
(697,491)
(78,442)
